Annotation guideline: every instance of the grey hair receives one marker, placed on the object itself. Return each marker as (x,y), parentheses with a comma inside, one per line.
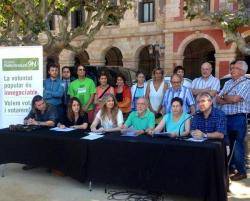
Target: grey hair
(204,94)
(243,64)
(207,63)
(145,100)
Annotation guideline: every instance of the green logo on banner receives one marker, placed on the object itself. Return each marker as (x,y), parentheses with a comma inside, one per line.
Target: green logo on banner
(16,64)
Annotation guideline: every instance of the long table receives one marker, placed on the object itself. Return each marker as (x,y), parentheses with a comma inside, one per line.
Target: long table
(157,164)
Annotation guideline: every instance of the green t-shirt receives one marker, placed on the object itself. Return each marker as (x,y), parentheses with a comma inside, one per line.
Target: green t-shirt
(141,123)
(82,89)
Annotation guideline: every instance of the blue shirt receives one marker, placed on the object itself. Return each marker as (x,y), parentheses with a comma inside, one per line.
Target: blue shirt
(53,91)
(139,92)
(172,126)
(241,89)
(49,114)
(216,121)
(184,93)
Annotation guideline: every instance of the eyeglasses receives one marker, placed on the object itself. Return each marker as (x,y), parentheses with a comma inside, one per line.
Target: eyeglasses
(81,69)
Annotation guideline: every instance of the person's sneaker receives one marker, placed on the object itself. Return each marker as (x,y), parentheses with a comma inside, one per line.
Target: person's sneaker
(238,176)
(28,167)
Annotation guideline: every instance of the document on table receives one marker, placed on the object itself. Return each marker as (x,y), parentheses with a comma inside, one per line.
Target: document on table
(92,136)
(66,129)
(130,132)
(196,140)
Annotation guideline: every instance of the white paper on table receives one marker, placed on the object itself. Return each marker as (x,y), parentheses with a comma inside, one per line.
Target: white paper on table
(66,129)
(196,140)
(92,136)
(131,132)
(95,133)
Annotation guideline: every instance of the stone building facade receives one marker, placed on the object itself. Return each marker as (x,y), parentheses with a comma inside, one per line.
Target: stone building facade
(150,22)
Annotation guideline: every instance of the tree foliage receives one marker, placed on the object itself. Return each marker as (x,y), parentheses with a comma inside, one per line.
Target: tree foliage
(229,20)
(27,22)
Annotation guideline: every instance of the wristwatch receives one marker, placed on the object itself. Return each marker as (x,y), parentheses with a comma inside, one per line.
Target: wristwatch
(205,135)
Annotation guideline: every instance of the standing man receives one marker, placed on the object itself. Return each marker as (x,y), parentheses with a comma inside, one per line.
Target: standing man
(233,100)
(84,89)
(207,82)
(53,89)
(66,79)
(178,90)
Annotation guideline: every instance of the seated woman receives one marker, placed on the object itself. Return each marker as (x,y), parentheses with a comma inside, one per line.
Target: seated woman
(175,121)
(109,116)
(76,118)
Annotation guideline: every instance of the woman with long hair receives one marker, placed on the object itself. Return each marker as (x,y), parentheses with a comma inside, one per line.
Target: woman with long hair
(103,89)
(176,122)
(76,118)
(109,117)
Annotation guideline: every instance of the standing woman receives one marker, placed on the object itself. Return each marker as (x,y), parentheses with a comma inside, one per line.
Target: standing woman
(123,95)
(76,118)
(176,122)
(155,91)
(103,89)
(109,117)
(138,90)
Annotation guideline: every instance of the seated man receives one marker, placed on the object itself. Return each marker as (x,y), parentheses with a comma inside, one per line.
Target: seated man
(141,120)
(41,114)
(210,122)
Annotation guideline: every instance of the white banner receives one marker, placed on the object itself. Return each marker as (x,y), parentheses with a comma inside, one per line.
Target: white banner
(21,78)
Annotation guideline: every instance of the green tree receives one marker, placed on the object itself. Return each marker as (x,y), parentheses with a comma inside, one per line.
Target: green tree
(27,22)
(228,20)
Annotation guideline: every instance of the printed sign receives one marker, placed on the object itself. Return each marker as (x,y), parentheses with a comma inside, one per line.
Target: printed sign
(21,78)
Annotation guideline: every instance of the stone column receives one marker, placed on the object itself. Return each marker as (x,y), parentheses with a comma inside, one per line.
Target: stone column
(168,55)
(222,61)
(66,58)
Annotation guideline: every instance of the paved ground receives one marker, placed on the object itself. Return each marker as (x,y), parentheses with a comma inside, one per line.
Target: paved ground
(38,185)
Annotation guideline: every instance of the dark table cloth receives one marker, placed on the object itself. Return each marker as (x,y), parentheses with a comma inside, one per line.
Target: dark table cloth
(157,164)
(64,151)
(166,165)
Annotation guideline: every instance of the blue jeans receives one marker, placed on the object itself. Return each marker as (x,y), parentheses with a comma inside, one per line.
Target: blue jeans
(238,123)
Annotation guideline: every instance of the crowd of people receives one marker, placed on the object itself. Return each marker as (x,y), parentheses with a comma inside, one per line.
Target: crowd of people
(179,108)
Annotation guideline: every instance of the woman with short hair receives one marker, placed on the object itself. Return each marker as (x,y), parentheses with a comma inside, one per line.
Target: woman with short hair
(138,90)
(176,122)
(155,91)
(123,95)
(103,89)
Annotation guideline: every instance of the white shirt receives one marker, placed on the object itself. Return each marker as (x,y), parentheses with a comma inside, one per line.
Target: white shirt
(155,97)
(107,123)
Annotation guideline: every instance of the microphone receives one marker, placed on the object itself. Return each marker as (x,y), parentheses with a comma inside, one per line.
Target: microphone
(190,117)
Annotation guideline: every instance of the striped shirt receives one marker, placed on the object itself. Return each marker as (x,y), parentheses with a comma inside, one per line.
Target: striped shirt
(242,89)
(212,83)
(184,93)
